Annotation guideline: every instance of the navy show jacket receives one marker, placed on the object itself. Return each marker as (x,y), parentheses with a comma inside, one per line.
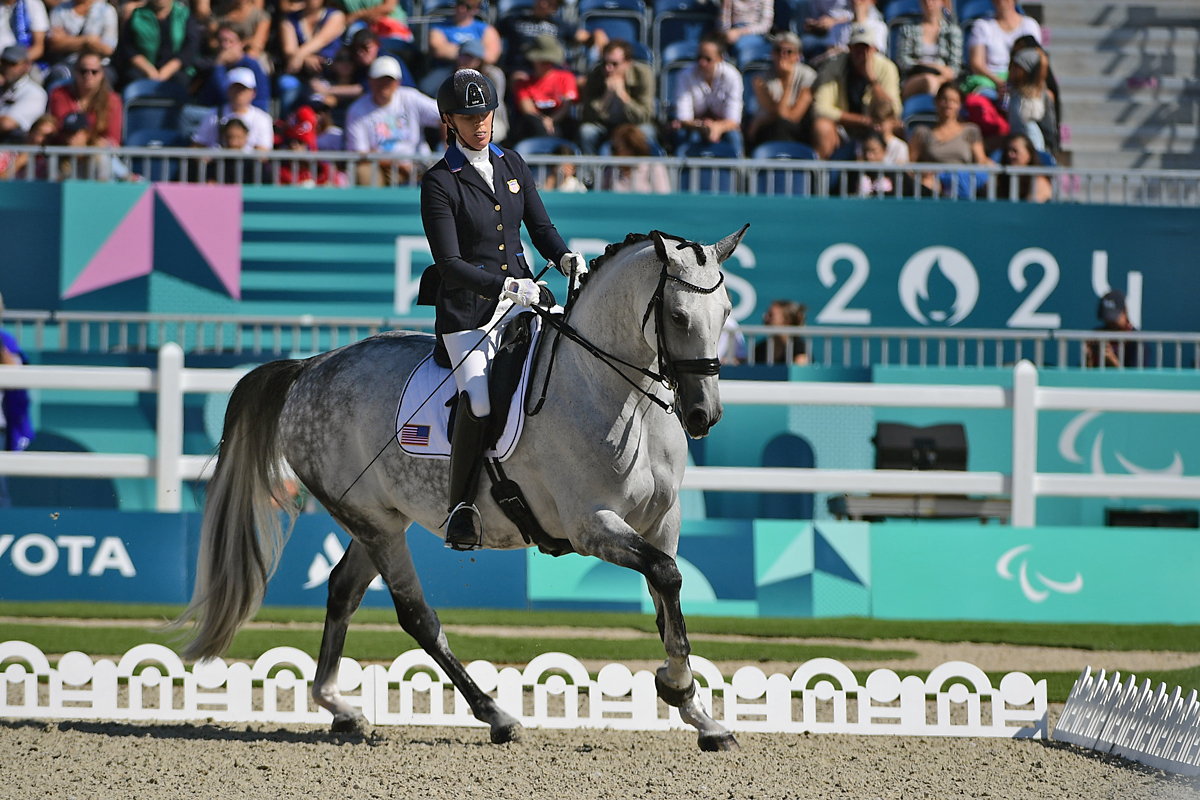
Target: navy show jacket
(474,234)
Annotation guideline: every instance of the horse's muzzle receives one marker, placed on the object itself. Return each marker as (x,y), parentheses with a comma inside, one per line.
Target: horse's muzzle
(698,422)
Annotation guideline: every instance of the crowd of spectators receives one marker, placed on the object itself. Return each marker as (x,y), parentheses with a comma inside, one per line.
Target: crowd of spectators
(832,76)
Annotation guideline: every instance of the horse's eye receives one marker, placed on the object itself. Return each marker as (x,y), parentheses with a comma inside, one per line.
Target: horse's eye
(679,319)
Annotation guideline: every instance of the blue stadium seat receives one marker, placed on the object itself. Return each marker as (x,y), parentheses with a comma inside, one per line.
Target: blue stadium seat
(968,11)
(151,105)
(153,168)
(506,7)
(615,26)
(643,52)
(543,145)
(784,181)
(678,51)
(682,21)
(898,9)
(756,52)
(156,138)
(920,109)
(749,100)
(709,180)
(676,58)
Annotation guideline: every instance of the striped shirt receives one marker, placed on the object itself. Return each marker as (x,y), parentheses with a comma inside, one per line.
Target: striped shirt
(751,16)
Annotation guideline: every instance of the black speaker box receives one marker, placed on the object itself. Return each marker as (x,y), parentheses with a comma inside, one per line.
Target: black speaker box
(900,446)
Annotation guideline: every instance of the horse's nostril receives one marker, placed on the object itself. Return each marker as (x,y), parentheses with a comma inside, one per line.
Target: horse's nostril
(697,420)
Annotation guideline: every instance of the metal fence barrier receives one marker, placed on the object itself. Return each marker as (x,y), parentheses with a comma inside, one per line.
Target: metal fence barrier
(170,466)
(104,332)
(775,177)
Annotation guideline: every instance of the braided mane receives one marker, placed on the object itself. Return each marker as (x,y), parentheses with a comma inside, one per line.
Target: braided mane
(658,237)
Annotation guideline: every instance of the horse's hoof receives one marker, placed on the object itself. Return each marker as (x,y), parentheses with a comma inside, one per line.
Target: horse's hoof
(509,732)
(350,723)
(716,742)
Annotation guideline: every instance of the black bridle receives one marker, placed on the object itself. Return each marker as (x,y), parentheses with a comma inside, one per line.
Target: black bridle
(668,368)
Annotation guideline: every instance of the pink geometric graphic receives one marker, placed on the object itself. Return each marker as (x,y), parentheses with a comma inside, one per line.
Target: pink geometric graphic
(128,252)
(212,218)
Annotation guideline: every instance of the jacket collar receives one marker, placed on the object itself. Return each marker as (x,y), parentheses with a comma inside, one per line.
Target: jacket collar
(456,160)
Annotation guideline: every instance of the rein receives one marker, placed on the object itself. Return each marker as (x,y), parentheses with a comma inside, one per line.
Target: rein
(668,368)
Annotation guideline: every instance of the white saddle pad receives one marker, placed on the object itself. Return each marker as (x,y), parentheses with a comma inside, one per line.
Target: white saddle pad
(421,423)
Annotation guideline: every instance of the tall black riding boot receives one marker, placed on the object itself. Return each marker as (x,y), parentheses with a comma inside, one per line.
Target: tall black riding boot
(464,527)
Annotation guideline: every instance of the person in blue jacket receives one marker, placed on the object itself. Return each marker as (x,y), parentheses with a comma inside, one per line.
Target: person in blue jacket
(473,202)
(14,405)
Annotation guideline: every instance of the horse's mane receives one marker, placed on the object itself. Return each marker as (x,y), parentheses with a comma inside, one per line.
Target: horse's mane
(658,237)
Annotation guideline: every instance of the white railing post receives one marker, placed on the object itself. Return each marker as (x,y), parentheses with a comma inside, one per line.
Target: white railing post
(1024,448)
(169,449)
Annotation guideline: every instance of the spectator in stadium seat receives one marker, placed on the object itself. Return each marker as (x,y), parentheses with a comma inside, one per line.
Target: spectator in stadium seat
(470,56)
(785,98)
(330,135)
(15,420)
(929,52)
(25,22)
(160,42)
(519,29)
(886,123)
(385,19)
(989,47)
(260,126)
(77,26)
(22,100)
(1031,108)
(310,37)
(743,22)
(89,93)
(618,91)
(345,78)
(300,135)
(845,87)
(1020,152)
(391,119)
(545,101)
(773,349)
(872,149)
(828,19)
(948,141)
(561,177)
(1114,316)
(628,141)
(249,21)
(446,37)
(708,108)
(230,55)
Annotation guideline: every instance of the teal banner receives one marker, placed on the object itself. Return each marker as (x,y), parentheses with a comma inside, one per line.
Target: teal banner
(286,250)
(968,571)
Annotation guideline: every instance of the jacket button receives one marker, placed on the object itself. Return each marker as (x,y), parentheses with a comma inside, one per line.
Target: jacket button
(504,266)
(501,247)
(497,208)
(499,227)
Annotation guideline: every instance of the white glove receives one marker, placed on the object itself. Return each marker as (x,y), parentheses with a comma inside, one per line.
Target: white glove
(573,262)
(522,291)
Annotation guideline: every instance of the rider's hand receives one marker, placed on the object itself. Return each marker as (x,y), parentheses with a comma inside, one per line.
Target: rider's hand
(573,263)
(522,291)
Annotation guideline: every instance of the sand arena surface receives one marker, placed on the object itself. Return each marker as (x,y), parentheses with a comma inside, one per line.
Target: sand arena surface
(119,761)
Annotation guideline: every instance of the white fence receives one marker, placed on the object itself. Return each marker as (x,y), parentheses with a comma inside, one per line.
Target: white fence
(170,467)
(553,691)
(1132,721)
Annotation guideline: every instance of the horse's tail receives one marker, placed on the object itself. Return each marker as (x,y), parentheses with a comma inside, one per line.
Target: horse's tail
(242,534)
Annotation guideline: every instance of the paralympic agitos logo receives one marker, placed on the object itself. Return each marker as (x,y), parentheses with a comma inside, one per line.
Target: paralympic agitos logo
(1034,594)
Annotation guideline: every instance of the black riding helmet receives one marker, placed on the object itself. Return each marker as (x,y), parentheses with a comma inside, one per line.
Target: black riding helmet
(467,91)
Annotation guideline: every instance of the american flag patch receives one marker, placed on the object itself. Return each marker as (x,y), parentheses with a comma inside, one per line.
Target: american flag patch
(415,435)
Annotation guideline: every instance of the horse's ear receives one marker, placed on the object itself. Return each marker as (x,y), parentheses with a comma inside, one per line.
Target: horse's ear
(726,246)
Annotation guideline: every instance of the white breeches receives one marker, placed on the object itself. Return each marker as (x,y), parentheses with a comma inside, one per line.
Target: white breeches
(472,351)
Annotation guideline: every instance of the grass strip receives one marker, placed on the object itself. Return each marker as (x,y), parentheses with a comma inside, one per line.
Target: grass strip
(1177,638)
(371,645)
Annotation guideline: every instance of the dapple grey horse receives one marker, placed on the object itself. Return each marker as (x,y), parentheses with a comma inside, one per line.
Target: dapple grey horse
(600,465)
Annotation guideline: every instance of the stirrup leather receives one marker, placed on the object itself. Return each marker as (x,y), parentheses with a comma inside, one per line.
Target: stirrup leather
(461,532)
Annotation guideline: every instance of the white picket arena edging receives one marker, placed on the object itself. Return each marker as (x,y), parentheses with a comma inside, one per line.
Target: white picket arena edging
(1132,721)
(413,690)
(170,467)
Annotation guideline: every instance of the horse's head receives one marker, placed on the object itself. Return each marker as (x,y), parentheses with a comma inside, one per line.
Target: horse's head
(691,309)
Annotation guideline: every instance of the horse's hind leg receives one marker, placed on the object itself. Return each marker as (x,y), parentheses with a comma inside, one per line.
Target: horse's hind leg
(610,538)
(420,621)
(347,584)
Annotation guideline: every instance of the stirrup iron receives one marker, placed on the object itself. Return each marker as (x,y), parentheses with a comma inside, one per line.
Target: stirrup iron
(463,533)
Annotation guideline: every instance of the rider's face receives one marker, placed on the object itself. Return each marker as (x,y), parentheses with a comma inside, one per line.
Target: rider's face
(475,130)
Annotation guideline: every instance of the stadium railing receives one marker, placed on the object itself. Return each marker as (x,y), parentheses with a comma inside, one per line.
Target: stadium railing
(772,177)
(101,332)
(170,466)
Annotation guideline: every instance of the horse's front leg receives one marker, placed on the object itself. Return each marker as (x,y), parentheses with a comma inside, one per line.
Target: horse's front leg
(609,538)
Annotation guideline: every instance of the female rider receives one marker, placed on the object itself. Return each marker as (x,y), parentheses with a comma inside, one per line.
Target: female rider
(473,202)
